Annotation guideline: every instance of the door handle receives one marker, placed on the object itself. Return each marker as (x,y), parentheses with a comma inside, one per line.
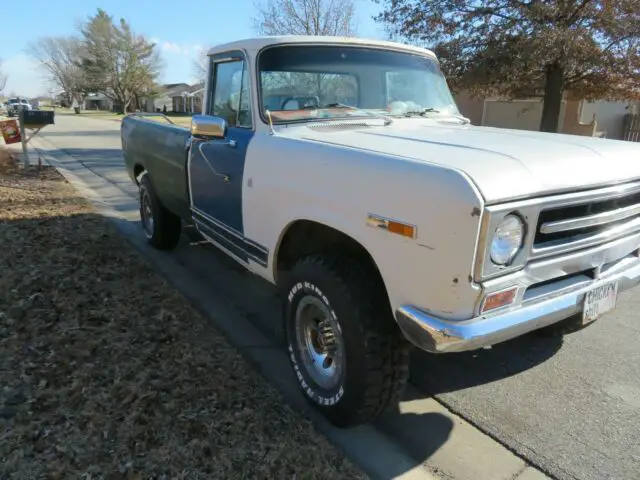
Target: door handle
(225,177)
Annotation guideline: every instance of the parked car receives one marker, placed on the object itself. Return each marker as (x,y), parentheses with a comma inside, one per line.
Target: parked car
(15,105)
(341,171)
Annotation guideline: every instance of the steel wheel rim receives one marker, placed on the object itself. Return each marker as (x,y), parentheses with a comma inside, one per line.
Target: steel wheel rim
(319,342)
(146,213)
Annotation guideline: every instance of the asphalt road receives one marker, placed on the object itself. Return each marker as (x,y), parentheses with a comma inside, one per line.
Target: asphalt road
(569,406)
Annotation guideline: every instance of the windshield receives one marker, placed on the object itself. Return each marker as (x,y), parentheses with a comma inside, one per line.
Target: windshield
(300,83)
(13,100)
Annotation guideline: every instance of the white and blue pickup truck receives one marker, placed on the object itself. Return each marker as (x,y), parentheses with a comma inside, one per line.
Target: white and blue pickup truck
(16,105)
(341,171)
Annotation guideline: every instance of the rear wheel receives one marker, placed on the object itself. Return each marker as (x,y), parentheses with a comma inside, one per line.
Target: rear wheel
(349,356)
(160,226)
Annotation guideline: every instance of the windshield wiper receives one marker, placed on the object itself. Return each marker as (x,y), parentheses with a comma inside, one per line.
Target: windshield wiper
(340,105)
(387,120)
(329,105)
(422,112)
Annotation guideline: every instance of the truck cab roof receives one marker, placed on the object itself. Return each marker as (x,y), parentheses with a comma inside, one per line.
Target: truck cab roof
(253,45)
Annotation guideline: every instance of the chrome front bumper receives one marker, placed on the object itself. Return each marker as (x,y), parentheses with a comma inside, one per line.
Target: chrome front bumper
(436,335)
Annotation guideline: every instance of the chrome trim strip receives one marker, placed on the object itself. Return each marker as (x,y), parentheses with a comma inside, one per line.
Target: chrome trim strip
(436,335)
(224,249)
(229,229)
(591,220)
(577,198)
(222,241)
(566,245)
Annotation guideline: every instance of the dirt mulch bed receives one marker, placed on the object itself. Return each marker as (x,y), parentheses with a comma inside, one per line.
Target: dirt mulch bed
(107,372)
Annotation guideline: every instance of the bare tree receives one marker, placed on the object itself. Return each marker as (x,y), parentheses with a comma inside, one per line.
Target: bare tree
(3,78)
(60,56)
(305,17)
(201,65)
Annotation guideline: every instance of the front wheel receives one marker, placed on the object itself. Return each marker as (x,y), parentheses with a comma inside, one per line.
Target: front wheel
(348,354)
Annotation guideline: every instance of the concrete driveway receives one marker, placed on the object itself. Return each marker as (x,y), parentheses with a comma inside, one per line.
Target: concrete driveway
(568,406)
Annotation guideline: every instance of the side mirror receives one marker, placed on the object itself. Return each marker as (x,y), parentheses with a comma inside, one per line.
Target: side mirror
(208,126)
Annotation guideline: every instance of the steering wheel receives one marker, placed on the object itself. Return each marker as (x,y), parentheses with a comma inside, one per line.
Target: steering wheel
(303,101)
(287,100)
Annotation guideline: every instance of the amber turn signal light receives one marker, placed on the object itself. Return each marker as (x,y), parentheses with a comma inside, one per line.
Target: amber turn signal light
(498,299)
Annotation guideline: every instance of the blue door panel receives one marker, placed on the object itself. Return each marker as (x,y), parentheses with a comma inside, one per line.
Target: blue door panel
(216,171)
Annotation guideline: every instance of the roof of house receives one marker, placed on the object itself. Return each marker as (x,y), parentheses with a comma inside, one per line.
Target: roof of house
(195,87)
(171,86)
(253,45)
(95,96)
(182,89)
(177,89)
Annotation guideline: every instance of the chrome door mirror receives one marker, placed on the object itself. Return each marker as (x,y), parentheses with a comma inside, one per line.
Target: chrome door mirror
(208,126)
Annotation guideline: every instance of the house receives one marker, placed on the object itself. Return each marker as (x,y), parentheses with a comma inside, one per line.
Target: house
(97,101)
(188,100)
(166,92)
(62,99)
(39,101)
(175,97)
(577,116)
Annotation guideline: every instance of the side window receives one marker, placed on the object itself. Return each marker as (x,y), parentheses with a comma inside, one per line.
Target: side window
(231,94)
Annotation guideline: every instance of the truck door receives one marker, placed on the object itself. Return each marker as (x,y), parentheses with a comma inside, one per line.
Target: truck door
(216,165)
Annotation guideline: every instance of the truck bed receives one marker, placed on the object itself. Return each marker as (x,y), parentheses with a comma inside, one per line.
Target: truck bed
(160,148)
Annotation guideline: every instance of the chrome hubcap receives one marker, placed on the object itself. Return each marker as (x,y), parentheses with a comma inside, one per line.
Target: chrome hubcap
(319,342)
(147,215)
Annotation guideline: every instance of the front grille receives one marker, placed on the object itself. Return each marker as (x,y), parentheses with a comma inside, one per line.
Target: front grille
(565,225)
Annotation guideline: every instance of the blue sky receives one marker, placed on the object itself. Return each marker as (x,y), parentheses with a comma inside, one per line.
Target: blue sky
(179,28)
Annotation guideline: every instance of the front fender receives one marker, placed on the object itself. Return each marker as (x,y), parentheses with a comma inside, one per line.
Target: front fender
(338,187)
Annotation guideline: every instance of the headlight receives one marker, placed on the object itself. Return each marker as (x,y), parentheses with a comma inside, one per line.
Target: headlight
(507,240)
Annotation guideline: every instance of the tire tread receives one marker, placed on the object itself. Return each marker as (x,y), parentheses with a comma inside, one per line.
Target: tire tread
(386,350)
(167,229)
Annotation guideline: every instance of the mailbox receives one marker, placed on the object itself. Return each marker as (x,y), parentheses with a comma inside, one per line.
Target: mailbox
(37,118)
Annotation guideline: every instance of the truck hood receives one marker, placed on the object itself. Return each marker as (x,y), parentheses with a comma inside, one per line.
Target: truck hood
(504,164)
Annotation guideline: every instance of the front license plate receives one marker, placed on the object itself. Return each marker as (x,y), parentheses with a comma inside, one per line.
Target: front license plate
(600,300)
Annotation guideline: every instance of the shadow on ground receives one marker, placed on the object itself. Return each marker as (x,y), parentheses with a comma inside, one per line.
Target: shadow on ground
(432,374)
(106,163)
(103,365)
(110,156)
(78,293)
(438,374)
(421,435)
